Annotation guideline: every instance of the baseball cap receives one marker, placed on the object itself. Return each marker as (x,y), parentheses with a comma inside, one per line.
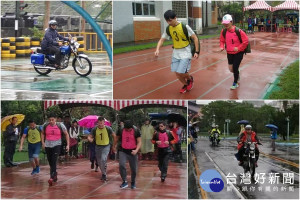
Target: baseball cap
(226,19)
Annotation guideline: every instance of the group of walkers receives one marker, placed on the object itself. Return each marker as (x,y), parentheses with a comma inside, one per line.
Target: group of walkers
(232,39)
(56,137)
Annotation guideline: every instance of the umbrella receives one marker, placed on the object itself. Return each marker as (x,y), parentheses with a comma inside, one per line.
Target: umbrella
(90,121)
(5,121)
(271,126)
(243,122)
(174,117)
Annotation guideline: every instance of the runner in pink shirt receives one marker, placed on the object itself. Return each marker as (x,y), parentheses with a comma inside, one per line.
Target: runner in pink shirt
(235,49)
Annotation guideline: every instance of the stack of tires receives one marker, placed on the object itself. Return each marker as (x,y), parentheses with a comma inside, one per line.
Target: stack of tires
(23,46)
(5,52)
(81,42)
(35,42)
(12,47)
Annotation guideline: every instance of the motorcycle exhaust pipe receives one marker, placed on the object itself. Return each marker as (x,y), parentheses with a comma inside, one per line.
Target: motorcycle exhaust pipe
(46,67)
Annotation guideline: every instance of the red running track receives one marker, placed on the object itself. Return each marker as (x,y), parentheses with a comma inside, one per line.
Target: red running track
(139,75)
(77,181)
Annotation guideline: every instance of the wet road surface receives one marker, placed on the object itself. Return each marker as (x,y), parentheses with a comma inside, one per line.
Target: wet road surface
(19,81)
(222,159)
(77,181)
(151,78)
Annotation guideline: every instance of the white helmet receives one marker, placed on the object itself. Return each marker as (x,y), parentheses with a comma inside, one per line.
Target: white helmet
(52,22)
(248,126)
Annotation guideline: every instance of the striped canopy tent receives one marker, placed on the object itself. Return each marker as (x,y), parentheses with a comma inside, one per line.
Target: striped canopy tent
(74,103)
(259,5)
(287,5)
(115,104)
(131,104)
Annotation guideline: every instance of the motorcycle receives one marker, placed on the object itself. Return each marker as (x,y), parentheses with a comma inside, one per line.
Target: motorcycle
(214,139)
(44,64)
(249,158)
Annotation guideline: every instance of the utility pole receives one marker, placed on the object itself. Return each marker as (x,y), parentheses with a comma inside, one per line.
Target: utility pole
(47,15)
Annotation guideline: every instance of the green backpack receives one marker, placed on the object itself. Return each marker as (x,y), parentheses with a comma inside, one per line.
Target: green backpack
(237,31)
(191,41)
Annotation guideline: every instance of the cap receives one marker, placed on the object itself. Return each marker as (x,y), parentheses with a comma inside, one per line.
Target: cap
(248,126)
(226,19)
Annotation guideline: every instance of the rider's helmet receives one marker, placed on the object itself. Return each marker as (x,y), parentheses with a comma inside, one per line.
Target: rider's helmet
(213,126)
(52,22)
(217,126)
(248,126)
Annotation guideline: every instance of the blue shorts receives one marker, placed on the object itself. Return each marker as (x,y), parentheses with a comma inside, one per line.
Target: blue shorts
(181,66)
(34,150)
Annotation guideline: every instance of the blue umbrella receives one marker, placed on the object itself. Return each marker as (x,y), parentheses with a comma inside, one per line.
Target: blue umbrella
(243,122)
(271,126)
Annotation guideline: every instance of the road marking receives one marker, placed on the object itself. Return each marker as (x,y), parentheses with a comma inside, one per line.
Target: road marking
(238,193)
(198,172)
(280,159)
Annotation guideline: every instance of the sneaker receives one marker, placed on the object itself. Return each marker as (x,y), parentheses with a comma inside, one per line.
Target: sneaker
(163,179)
(256,164)
(103,177)
(240,163)
(124,185)
(133,185)
(92,165)
(190,84)
(183,89)
(96,169)
(37,169)
(34,171)
(234,86)
(50,182)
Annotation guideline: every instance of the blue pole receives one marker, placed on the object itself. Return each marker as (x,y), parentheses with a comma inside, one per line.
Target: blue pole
(94,25)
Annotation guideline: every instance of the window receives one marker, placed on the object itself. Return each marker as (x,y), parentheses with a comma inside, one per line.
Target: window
(146,8)
(179,7)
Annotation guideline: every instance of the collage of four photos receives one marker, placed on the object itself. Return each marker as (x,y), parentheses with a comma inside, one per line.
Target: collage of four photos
(150,99)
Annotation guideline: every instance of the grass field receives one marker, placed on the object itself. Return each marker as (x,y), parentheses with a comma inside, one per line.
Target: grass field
(138,47)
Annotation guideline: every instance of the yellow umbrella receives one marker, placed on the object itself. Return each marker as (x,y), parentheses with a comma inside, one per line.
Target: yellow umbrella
(5,121)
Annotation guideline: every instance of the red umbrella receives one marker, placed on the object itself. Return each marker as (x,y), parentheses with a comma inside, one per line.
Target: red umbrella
(90,121)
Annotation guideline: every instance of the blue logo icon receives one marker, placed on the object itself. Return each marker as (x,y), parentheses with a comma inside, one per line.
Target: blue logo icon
(211,181)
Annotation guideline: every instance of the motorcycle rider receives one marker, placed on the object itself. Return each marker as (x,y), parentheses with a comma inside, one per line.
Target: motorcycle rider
(215,128)
(247,136)
(50,45)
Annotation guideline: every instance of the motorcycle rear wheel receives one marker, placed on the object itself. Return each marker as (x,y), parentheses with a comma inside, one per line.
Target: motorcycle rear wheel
(42,71)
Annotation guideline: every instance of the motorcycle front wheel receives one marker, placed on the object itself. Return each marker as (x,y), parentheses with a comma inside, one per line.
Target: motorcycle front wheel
(42,71)
(252,167)
(82,66)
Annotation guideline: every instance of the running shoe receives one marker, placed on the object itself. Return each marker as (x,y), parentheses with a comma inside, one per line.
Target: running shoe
(124,185)
(50,181)
(190,84)
(103,177)
(133,186)
(37,169)
(34,171)
(183,89)
(234,86)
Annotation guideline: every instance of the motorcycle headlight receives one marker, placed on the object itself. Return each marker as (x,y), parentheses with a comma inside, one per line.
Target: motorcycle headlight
(252,146)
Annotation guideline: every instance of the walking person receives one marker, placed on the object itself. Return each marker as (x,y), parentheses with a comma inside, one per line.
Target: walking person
(163,138)
(234,47)
(147,148)
(33,134)
(130,143)
(182,53)
(103,137)
(51,138)
(273,137)
(11,135)
(74,139)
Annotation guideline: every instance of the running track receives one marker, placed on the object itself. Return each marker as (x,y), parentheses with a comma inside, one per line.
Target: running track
(77,181)
(139,75)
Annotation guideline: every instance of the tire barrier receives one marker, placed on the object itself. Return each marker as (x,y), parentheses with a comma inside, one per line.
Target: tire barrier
(13,47)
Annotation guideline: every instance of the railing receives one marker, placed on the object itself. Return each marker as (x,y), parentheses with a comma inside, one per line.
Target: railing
(91,40)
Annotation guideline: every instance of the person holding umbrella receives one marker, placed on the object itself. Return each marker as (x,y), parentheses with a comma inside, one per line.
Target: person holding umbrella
(103,136)
(273,130)
(10,141)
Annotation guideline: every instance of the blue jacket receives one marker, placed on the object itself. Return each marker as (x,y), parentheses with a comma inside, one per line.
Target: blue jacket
(274,134)
(50,38)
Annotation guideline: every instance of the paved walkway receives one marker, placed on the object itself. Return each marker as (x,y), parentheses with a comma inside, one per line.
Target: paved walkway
(77,181)
(139,75)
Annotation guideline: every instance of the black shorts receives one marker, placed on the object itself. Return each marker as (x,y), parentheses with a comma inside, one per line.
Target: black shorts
(231,57)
